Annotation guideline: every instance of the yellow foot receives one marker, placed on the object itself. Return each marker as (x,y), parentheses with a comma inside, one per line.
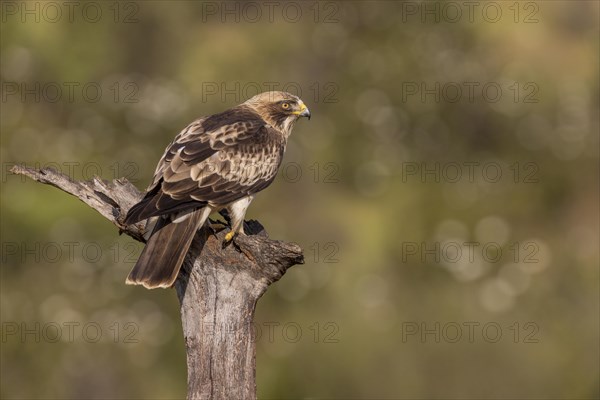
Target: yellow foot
(229,236)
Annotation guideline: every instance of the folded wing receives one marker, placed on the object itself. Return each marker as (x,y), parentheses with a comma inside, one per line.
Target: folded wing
(214,161)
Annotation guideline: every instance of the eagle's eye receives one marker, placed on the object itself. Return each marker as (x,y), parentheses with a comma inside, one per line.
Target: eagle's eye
(285,105)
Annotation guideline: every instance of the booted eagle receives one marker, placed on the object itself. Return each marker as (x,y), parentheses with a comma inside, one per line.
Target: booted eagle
(218,162)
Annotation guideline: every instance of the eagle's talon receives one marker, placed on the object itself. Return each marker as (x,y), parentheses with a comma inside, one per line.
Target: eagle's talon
(229,237)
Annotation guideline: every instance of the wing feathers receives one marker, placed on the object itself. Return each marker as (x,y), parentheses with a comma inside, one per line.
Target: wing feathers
(217,160)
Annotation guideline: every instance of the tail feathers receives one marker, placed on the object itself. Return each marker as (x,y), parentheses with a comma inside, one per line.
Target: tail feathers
(161,259)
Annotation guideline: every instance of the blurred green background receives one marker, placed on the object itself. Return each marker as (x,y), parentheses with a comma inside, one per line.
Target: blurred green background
(445,193)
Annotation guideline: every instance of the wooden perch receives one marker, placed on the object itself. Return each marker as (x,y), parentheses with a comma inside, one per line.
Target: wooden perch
(217,287)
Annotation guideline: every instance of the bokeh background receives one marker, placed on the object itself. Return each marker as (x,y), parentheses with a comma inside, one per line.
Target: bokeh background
(445,192)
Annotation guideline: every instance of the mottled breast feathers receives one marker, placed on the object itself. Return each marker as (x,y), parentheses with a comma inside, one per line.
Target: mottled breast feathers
(215,160)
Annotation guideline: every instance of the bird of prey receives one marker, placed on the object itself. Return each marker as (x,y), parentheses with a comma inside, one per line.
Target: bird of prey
(216,163)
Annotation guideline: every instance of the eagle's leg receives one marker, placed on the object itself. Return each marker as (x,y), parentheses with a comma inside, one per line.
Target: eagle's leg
(237,212)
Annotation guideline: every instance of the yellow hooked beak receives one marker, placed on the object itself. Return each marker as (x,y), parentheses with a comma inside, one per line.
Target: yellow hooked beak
(303,112)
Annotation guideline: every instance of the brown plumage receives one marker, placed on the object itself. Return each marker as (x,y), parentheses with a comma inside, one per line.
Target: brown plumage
(217,162)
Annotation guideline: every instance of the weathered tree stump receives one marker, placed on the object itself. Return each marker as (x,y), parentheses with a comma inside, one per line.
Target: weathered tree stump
(218,287)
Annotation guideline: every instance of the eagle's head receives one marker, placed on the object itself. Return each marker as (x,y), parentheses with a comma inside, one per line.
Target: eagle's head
(279,109)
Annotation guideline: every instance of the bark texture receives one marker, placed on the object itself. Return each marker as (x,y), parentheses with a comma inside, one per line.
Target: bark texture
(218,286)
